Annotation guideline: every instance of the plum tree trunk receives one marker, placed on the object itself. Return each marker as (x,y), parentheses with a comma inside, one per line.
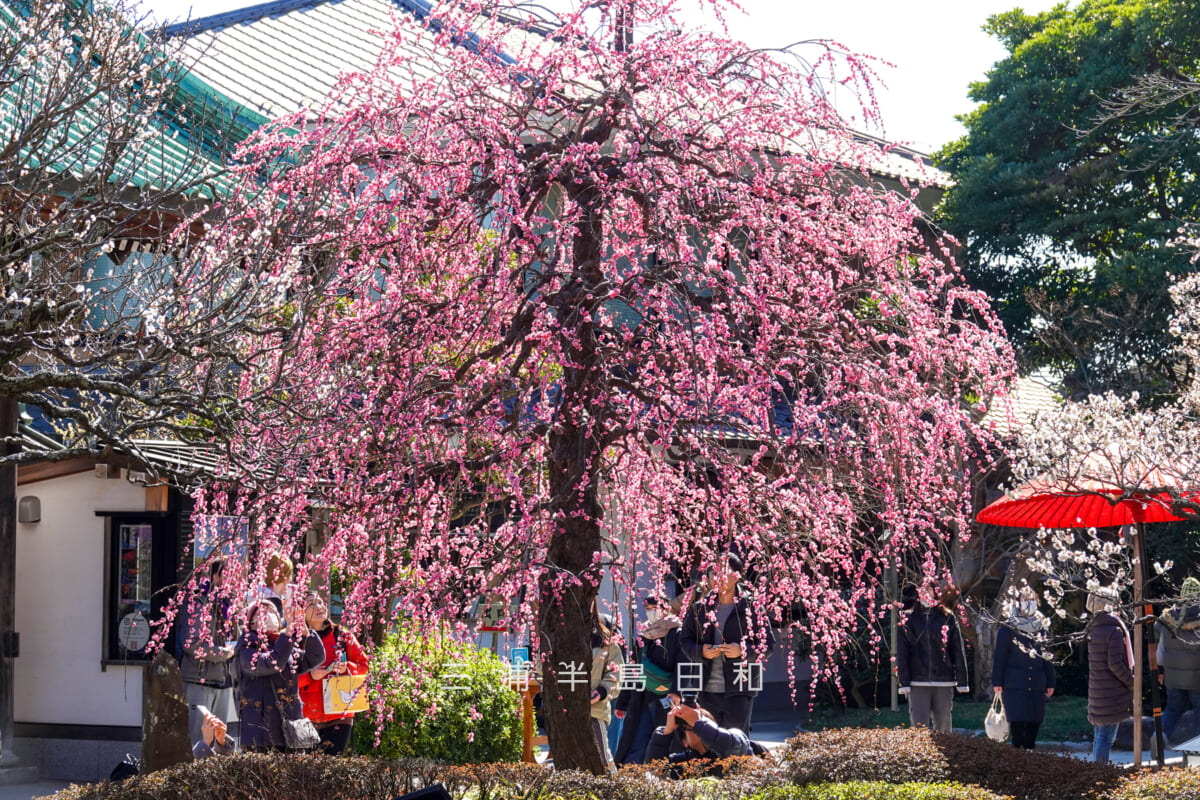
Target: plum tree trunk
(566,628)
(569,586)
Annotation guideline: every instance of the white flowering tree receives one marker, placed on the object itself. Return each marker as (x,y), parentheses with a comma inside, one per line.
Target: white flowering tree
(102,154)
(1114,447)
(106,336)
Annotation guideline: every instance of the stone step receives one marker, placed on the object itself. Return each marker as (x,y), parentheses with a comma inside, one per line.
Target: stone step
(18,774)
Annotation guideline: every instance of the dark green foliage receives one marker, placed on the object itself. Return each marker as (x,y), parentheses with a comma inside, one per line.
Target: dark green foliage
(1167,784)
(858,790)
(1068,220)
(897,755)
(1024,774)
(424,717)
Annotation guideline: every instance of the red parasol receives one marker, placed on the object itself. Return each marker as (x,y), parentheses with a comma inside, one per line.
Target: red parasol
(1036,505)
(1105,489)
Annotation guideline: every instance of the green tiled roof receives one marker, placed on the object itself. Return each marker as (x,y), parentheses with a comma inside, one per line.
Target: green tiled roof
(175,150)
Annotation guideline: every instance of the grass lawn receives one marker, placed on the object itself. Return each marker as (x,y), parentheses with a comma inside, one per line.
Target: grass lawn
(1066,718)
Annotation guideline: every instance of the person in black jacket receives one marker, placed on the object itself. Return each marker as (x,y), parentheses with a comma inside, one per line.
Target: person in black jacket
(1022,674)
(726,634)
(642,711)
(702,737)
(931,662)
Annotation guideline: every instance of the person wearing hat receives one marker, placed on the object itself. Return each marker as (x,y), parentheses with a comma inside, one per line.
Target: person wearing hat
(726,634)
(644,710)
(1178,633)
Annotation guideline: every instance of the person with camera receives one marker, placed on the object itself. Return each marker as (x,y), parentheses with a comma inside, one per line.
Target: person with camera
(644,710)
(702,739)
(724,632)
(343,656)
(268,659)
(214,736)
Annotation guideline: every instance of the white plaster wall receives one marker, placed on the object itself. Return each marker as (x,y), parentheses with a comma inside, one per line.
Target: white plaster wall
(60,607)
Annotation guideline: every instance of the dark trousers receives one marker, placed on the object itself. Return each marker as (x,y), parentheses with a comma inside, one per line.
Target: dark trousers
(1024,734)
(729,712)
(334,738)
(641,735)
(1178,702)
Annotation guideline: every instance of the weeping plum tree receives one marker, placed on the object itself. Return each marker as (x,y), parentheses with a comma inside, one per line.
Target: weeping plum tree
(619,294)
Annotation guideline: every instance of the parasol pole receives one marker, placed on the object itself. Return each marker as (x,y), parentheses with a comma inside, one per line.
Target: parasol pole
(1147,611)
(1138,580)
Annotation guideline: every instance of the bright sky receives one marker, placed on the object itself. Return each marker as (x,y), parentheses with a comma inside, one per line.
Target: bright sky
(937,48)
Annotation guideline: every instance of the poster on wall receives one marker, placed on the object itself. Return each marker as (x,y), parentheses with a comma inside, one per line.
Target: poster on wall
(134,549)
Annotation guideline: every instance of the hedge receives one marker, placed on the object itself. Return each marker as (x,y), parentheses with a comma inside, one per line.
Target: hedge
(897,755)
(906,755)
(1025,774)
(863,790)
(259,776)
(1167,784)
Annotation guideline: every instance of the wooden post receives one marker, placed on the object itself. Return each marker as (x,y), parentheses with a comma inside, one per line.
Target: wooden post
(165,739)
(528,740)
(9,429)
(1146,610)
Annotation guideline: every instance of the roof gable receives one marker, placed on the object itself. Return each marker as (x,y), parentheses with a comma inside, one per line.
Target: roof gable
(278,57)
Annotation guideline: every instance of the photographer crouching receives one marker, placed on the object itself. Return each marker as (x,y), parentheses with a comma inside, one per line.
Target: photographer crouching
(702,739)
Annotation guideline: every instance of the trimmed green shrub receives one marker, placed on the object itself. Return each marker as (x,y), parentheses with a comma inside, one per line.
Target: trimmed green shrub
(897,755)
(255,775)
(259,776)
(439,698)
(1167,784)
(861,790)
(740,776)
(1024,774)
(911,755)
